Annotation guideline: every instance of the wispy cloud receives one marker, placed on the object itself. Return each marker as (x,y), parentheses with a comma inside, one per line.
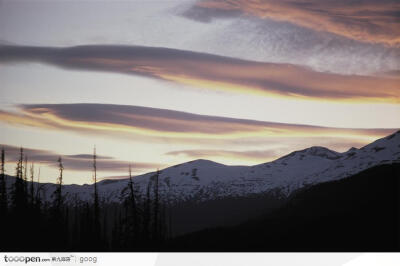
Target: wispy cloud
(212,71)
(75,162)
(184,135)
(376,21)
(162,123)
(276,147)
(251,155)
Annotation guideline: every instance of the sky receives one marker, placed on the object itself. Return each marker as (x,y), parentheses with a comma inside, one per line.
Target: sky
(158,83)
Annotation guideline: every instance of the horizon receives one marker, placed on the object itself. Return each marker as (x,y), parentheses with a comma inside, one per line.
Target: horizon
(156,84)
(123,177)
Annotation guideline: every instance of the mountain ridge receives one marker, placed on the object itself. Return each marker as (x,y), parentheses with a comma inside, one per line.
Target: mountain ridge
(202,180)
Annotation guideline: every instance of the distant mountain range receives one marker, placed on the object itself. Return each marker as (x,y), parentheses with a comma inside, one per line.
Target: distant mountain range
(202,194)
(203,180)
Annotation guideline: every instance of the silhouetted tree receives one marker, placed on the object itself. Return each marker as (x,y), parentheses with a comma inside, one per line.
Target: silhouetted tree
(3,188)
(32,192)
(96,213)
(25,167)
(18,193)
(3,205)
(58,198)
(19,205)
(58,216)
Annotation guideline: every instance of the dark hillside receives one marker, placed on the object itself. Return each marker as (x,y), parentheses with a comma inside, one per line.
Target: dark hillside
(359,213)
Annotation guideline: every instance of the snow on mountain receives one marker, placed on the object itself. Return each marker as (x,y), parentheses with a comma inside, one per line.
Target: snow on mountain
(202,180)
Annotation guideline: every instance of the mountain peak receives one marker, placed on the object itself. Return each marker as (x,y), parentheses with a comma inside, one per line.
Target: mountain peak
(322,152)
(202,161)
(195,163)
(315,151)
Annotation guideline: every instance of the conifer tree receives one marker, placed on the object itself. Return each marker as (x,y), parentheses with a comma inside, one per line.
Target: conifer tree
(19,203)
(25,167)
(18,195)
(58,192)
(3,206)
(32,192)
(57,211)
(25,177)
(3,188)
(97,230)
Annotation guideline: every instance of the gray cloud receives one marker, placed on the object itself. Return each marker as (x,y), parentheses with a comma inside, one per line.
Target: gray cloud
(164,120)
(210,71)
(152,124)
(376,21)
(75,162)
(253,154)
(207,15)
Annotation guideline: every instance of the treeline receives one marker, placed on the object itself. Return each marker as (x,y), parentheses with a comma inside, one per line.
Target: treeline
(29,222)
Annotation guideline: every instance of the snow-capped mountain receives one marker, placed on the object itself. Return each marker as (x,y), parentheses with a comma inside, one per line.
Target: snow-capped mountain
(203,180)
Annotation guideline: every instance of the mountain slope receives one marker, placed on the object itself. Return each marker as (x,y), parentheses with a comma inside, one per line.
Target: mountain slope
(203,180)
(359,213)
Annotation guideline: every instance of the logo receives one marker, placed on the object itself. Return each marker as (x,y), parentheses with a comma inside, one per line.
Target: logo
(21,259)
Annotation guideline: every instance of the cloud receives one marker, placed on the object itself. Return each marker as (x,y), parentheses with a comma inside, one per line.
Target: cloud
(253,155)
(212,71)
(164,124)
(277,147)
(206,15)
(188,135)
(375,21)
(75,162)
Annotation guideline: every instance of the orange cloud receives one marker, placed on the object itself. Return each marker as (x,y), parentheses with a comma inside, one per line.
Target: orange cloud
(166,124)
(375,21)
(222,139)
(214,72)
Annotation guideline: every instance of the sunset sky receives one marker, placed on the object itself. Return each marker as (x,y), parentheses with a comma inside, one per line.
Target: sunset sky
(158,83)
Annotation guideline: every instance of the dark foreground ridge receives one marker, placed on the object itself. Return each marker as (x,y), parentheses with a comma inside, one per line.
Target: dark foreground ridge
(359,213)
